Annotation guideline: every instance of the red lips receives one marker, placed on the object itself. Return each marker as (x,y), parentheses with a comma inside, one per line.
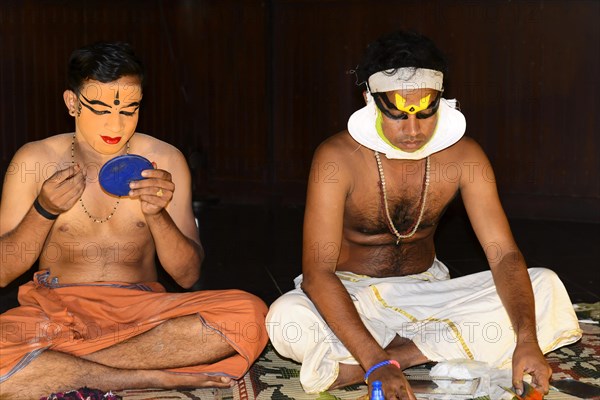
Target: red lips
(111,140)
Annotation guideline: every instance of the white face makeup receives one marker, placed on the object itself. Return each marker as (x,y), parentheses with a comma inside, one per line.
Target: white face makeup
(107,113)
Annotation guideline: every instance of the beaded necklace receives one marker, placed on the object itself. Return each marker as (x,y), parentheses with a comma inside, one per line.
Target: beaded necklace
(413,229)
(90,216)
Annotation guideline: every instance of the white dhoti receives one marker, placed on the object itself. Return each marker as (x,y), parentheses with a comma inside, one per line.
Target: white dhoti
(447,319)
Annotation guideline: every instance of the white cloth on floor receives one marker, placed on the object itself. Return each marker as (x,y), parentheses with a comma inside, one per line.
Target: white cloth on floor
(447,319)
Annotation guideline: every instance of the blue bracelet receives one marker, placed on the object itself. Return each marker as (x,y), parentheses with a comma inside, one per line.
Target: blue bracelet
(379,365)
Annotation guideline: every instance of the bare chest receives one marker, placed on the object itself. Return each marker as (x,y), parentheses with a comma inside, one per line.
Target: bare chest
(84,236)
(407,202)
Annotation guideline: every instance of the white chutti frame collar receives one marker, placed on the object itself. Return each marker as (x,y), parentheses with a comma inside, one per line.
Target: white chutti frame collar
(450,128)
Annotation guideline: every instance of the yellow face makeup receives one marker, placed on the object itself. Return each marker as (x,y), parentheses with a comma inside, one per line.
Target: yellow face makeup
(406,121)
(394,105)
(411,109)
(108,113)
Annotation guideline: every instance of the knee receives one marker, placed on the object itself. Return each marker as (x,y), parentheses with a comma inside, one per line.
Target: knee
(543,275)
(252,304)
(546,284)
(239,305)
(287,308)
(292,325)
(248,313)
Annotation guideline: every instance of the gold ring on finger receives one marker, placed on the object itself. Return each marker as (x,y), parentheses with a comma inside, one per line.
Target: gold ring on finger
(160,193)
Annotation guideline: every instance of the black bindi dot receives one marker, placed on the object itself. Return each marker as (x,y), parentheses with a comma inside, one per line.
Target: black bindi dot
(117,102)
(412,109)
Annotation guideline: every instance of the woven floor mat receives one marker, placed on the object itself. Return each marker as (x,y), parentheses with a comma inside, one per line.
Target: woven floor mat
(273,377)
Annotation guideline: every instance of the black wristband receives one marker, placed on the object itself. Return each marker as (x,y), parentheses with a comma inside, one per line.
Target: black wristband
(38,207)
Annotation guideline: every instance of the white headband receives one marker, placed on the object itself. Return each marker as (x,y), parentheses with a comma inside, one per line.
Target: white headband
(406,79)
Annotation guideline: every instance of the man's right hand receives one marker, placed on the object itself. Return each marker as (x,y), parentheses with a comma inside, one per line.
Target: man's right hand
(393,383)
(61,191)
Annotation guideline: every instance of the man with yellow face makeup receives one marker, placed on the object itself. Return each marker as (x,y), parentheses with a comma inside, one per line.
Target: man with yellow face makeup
(373,298)
(95,315)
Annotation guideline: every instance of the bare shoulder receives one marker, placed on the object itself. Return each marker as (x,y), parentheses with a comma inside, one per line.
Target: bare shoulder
(162,153)
(476,169)
(341,148)
(466,149)
(150,143)
(36,161)
(338,161)
(51,149)
(30,167)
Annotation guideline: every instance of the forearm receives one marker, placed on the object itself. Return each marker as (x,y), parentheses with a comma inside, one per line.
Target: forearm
(179,255)
(335,305)
(21,247)
(514,288)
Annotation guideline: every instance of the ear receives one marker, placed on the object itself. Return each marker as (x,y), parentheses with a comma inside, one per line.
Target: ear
(365,95)
(70,99)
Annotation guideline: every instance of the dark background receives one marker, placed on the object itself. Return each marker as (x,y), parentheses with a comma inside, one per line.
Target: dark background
(248,89)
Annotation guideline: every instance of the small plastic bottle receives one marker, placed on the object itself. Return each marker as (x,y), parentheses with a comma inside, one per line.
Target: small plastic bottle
(377,392)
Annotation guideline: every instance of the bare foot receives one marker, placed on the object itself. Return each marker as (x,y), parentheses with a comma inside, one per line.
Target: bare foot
(174,380)
(348,375)
(402,349)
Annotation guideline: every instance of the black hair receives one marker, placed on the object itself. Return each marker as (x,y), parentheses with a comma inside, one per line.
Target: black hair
(399,50)
(104,62)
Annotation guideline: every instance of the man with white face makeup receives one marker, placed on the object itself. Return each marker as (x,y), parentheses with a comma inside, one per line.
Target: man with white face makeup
(373,298)
(94,314)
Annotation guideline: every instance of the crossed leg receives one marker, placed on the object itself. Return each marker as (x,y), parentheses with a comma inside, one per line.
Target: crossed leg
(132,364)
(403,350)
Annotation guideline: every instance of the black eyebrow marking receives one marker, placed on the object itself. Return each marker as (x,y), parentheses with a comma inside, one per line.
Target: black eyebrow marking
(94,102)
(122,111)
(135,103)
(88,107)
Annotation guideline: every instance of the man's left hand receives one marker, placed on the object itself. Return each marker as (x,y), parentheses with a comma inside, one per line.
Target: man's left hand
(528,358)
(154,192)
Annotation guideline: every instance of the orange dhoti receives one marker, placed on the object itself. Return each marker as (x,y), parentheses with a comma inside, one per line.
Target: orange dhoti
(80,319)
